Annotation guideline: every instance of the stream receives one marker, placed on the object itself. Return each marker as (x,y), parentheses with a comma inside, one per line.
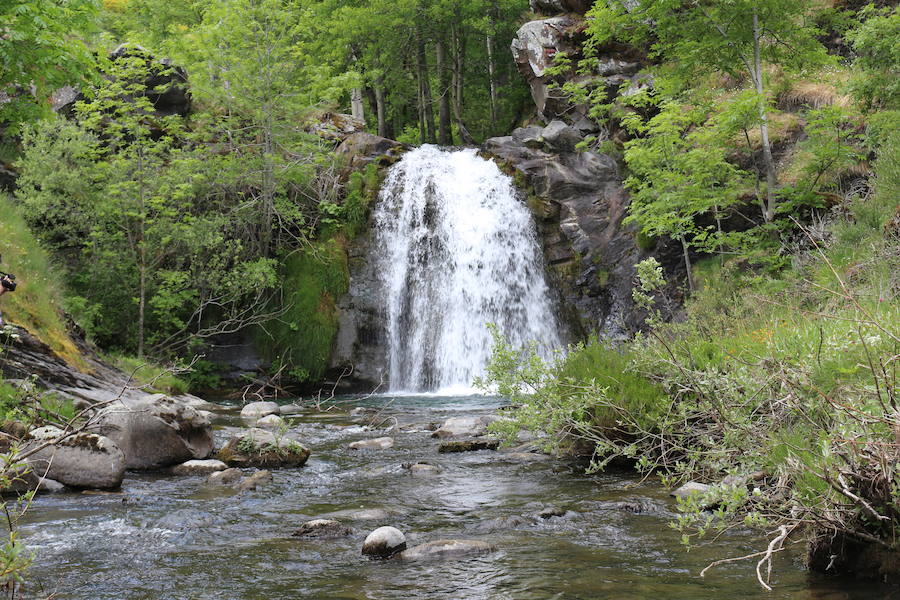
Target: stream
(176,537)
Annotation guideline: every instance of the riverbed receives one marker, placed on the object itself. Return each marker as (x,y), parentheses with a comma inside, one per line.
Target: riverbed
(559,534)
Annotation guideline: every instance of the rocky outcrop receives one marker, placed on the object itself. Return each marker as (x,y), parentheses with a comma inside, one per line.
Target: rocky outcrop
(262,448)
(156,432)
(579,202)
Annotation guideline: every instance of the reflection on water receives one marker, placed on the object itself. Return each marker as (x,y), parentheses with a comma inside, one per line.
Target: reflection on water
(176,538)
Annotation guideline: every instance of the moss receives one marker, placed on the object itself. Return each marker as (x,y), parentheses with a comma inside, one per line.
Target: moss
(645,241)
(602,277)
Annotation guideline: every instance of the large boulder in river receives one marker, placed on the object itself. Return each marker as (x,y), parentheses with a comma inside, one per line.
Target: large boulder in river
(84,460)
(257,410)
(384,542)
(156,432)
(264,449)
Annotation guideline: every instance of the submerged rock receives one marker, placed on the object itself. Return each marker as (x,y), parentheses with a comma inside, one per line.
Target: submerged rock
(464,427)
(384,542)
(363,514)
(198,467)
(262,448)
(502,524)
(322,529)
(444,549)
(225,477)
(421,469)
(156,432)
(258,479)
(381,443)
(468,445)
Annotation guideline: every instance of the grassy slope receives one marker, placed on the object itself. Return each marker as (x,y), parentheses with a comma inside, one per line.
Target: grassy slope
(37,303)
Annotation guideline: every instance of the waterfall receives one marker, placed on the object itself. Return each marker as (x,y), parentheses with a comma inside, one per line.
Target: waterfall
(456,250)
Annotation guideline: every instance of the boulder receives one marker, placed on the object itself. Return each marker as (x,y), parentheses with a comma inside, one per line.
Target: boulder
(257,410)
(691,488)
(270,422)
(225,477)
(322,529)
(560,137)
(421,469)
(464,427)
(84,461)
(534,48)
(290,409)
(468,445)
(257,479)
(336,127)
(384,542)
(443,549)
(198,467)
(156,432)
(381,443)
(361,148)
(263,449)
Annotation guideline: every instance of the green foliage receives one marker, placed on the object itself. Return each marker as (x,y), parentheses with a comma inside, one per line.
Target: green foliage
(41,49)
(312,282)
(877,63)
(165,379)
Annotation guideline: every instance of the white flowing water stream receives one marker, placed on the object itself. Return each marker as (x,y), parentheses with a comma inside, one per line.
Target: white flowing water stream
(456,250)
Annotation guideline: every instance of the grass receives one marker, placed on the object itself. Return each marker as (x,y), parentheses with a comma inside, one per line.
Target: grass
(155,377)
(36,304)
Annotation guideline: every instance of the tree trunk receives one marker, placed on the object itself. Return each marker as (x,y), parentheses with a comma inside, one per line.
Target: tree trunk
(687,264)
(445,135)
(771,181)
(142,257)
(379,107)
(493,81)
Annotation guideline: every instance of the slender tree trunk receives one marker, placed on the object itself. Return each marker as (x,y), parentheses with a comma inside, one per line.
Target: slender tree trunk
(492,67)
(142,256)
(379,107)
(356,104)
(687,264)
(427,100)
(771,181)
(445,134)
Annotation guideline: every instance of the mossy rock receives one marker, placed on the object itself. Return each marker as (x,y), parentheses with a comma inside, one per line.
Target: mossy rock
(263,449)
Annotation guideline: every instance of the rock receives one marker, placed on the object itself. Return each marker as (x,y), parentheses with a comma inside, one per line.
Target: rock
(290,409)
(255,480)
(336,127)
(50,486)
(442,549)
(270,422)
(560,137)
(525,457)
(384,542)
(360,149)
(381,443)
(362,514)
(555,7)
(464,427)
(225,477)
(551,511)
(502,524)
(691,488)
(262,448)
(198,467)
(421,469)
(322,529)
(156,432)
(534,47)
(257,410)
(468,445)
(84,461)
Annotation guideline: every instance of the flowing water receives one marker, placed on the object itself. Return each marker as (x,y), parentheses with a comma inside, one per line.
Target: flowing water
(165,537)
(457,250)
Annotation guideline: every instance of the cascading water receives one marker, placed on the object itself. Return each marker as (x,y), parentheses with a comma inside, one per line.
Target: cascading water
(456,250)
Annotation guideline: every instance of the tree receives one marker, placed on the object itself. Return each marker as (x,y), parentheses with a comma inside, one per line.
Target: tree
(738,37)
(40,51)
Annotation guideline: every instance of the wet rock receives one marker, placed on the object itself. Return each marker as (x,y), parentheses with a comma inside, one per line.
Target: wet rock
(361,148)
(446,549)
(551,511)
(262,448)
(525,457)
(384,542)
(198,467)
(257,410)
(468,445)
(362,514)
(85,460)
(464,427)
(50,486)
(156,432)
(502,524)
(534,48)
(258,479)
(691,488)
(225,477)
(560,137)
(270,422)
(381,443)
(290,409)
(421,469)
(322,529)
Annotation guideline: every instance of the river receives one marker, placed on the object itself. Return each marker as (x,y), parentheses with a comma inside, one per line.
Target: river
(168,537)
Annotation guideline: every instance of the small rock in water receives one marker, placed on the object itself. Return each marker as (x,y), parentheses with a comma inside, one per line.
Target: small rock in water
(198,467)
(384,542)
(381,443)
(421,469)
(691,488)
(439,549)
(225,477)
(363,514)
(256,410)
(464,427)
(468,445)
(290,409)
(552,511)
(256,480)
(270,422)
(502,524)
(50,486)
(322,529)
